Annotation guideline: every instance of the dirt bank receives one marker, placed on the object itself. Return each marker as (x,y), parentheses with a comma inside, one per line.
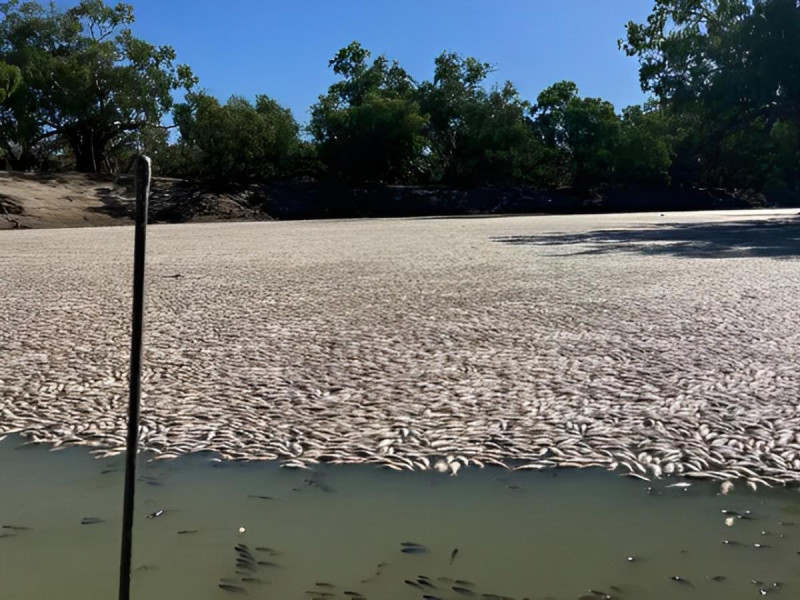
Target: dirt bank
(75,200)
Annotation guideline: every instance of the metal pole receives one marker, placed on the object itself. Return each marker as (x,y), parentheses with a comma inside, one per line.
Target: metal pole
(142,183)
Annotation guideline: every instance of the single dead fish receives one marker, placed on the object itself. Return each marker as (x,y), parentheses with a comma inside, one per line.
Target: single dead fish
(185,531)
(156,514)
(17,528)
(147,568)
(266,563)
(232,588)
(414,549)
(91,521)
(453,555)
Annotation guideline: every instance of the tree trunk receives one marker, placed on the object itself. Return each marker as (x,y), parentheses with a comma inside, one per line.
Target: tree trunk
(89,149)
(23,161)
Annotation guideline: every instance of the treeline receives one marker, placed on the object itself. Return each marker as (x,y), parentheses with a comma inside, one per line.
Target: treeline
(78,90)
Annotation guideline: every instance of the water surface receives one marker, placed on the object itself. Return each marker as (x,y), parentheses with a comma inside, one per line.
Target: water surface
(556,534)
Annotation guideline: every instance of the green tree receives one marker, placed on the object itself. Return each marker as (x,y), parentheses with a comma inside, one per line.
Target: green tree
(476,135)
(582,135)
(732,67)
(368,127)
(86,79)
(644,149)
(234,142)
(10,78)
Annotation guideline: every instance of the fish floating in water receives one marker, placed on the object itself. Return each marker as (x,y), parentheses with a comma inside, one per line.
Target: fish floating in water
(232,588)
(453,555)
(91,521)
(413,548)
(156,514)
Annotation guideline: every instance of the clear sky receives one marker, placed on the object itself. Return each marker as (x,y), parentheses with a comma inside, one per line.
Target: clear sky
(282,47)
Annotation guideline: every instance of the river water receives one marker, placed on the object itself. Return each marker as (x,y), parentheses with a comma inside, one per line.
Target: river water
(338,532)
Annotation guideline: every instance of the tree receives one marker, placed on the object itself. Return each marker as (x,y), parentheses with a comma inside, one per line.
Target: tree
(643,153)
(237,141)
(368,127)
(475,135)
(582,135)
(732,64)
(10,78)
(86,79)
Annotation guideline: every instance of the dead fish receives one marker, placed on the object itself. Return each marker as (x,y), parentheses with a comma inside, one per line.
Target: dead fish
(718,578)
(156,514)
(681,580)
(185,531)
(91,521)
(463,591)
(150,480)
(252,580)
(232,588)
(353,594)
(453,555)
(17,528)
(413,584)
(260,497)
(7,535)
(318,484)
(424,581)
(266,563)
(413,549)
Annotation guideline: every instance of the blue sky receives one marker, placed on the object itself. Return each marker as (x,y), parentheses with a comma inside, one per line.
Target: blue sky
(282,48)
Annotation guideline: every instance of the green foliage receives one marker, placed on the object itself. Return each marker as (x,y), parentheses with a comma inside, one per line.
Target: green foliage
(475,135)
(86,79)
(725,112)
(732,68)
(10,78)
(643,152)
(237,141)
(368,127)
(582,135)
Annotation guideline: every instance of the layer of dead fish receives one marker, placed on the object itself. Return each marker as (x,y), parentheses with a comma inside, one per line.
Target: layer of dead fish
(462,353)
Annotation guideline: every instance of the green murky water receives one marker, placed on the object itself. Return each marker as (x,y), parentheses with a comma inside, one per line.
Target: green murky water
(518,535)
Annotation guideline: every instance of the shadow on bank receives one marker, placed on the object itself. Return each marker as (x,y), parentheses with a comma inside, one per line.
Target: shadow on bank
(287,200)
(776,238)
